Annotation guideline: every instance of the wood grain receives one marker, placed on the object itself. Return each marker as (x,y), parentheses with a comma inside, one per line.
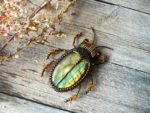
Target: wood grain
(139,5)
(125,89)
(123,84)
(10,104)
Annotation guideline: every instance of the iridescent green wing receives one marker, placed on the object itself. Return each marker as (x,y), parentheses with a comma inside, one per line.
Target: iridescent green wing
(70,70)
(74,75)
(64,66)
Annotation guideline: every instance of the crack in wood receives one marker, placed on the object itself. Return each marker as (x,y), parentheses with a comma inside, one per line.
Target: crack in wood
(121,6)
(26,99)
(129,68)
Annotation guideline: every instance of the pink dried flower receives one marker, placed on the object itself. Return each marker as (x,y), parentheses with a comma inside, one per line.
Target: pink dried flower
(1,18)
(5,30)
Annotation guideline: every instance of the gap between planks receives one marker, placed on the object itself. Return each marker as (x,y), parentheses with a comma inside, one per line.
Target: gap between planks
(111,3)
(18,100)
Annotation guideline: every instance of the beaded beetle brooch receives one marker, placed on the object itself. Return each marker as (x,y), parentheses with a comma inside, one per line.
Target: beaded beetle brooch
(72,67)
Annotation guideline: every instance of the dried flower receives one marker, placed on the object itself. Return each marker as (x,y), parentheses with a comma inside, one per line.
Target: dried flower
(14,20)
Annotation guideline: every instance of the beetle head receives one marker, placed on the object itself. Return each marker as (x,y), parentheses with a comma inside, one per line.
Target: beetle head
(89,47)
(97,56)
(100,58)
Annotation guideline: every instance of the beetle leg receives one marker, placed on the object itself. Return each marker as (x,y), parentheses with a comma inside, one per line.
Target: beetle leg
(54,52)
(73,97)
(90,86)
(47,66)
(77,36)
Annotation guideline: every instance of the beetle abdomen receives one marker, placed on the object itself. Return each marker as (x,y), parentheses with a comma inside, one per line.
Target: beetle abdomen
(69,71)
(74,75)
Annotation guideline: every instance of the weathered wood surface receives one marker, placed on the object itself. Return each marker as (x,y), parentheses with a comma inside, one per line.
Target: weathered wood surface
(123,84)
(138,5)
(10,104)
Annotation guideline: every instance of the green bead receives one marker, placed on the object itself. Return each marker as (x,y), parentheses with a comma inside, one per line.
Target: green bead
(74,75)
(69,70)
(64,66)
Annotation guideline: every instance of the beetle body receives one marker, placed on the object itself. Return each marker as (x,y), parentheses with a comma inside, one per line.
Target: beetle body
(71,69)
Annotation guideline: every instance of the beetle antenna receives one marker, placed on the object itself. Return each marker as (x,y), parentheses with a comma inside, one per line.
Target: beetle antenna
(94,36)
(105,47)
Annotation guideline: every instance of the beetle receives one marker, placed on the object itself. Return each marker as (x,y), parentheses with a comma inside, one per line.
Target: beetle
(73,66)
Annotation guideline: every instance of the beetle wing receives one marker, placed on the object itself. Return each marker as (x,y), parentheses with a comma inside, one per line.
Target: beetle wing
(64,66)
(69,71)
(74,75)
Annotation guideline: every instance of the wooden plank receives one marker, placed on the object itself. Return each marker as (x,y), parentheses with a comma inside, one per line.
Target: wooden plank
(10,104)
(125,53)
(139,5)
(123,84)
(117,26)
(115,20)
(118,89)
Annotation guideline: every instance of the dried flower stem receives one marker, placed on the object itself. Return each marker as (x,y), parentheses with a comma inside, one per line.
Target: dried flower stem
(3,47)
(59,16)
(52,21)
(39,8)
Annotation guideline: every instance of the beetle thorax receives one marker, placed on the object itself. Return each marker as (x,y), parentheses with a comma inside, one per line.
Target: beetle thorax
(89,47)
